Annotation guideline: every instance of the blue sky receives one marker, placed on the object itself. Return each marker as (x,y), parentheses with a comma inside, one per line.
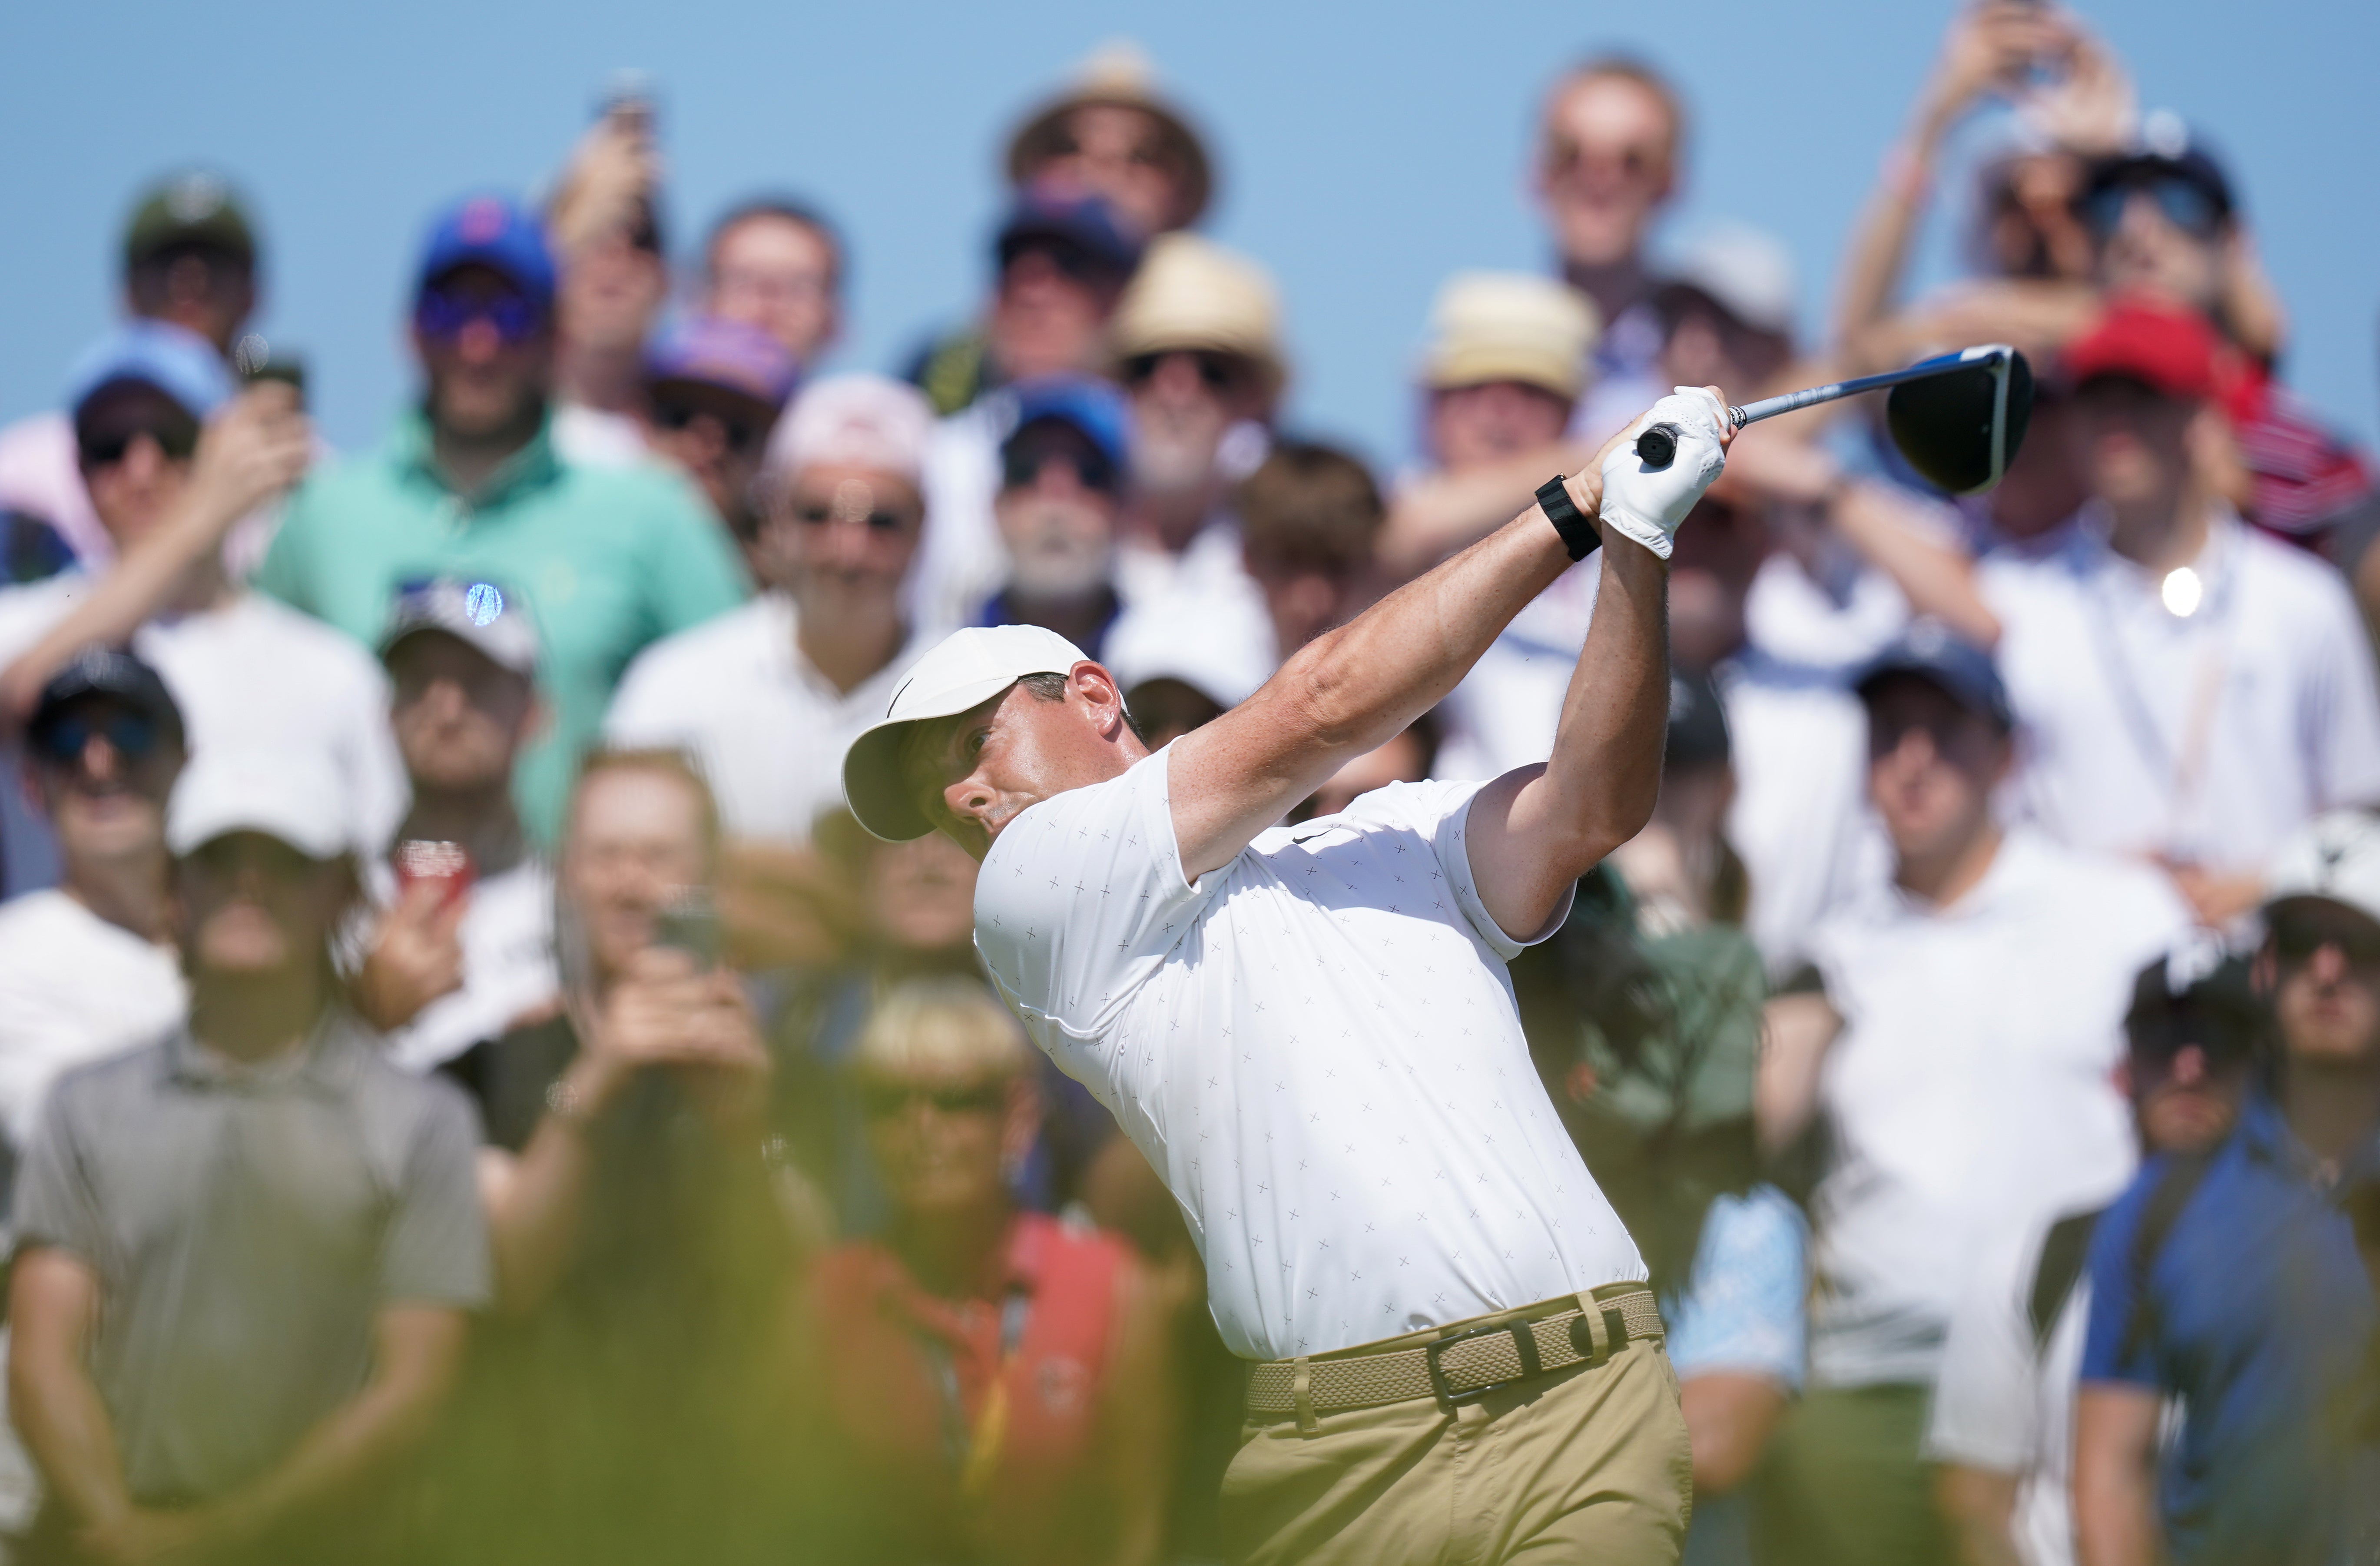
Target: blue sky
(1366,150)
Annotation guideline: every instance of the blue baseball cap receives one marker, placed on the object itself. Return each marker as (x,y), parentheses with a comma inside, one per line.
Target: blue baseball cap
(495,232)
(730,355)
(1960,669)
(1078,401)
(179,363)
(1080,222)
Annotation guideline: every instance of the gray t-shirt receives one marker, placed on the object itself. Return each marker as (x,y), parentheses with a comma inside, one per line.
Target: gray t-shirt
(247,1223)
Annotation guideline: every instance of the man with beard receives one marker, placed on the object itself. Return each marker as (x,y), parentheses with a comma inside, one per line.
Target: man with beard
(1061,494)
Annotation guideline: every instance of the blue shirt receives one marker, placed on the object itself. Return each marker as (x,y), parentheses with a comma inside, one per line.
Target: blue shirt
(2261,1319)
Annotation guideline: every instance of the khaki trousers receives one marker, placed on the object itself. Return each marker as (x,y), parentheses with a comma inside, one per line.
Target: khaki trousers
(1589,1463)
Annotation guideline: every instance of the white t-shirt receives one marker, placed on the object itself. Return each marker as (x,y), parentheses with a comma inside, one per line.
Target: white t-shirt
(960,559)
(1316,1046)
(2207,737)
(768,729)
(256,674)
(508,964)
(1970,1086)
(2005,1403)
(73,987)
(590,437)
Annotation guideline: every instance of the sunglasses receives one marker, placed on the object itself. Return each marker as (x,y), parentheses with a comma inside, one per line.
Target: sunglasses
(819,515)
(104,448)
(129,735)
(2297,936)
(740,434)
(884,1100)
(442,317)
(2186,206)
(1021,466)
(1073,259)
(1219,372)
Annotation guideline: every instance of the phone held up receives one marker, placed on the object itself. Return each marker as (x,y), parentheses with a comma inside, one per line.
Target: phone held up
(689,922)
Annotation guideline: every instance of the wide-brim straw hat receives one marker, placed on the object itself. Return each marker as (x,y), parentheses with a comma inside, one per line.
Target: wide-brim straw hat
(1191,293)
(1510,326)
(1118,75)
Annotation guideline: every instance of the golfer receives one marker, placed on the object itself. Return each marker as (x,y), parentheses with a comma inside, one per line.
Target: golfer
(1310,1032)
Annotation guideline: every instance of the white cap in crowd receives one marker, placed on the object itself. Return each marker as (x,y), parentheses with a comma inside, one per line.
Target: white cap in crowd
(964,670)
(866,421)
(1510,326)
(1745,272)
(2337,857)
(289,794)
(1217,647)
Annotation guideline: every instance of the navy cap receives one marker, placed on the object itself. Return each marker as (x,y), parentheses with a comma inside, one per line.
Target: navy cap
(495,232)
(2168,151)
(1961,670)
(179,363)
(108,672)
(2200,994)
(1092,407)
(1085,222)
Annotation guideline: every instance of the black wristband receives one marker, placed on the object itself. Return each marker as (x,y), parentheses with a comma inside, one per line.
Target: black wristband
(1578,535)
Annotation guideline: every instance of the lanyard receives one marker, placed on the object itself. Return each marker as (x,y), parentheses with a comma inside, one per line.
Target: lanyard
(2182,765)
(980,1445)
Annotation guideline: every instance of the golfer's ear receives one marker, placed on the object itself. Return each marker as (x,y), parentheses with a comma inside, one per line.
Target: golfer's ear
(1099,691)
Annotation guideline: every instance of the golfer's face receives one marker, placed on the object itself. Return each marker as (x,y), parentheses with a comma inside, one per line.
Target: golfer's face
(984,769)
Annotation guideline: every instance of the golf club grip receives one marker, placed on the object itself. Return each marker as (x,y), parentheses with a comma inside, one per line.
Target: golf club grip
(1657,447)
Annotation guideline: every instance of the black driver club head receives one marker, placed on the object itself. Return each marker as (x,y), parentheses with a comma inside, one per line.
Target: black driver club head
(1961,429)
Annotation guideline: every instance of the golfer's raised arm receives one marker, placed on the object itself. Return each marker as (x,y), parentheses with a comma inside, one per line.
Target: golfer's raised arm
(1352,689)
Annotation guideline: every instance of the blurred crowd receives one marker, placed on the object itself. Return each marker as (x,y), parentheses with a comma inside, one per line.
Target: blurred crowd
(470,1092)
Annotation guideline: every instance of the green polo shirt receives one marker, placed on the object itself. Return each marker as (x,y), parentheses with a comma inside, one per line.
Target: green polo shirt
(608,560)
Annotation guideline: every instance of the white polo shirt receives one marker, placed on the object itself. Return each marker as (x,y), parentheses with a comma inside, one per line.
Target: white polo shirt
(1316,1046)
(73,987)
(506,933)
(1970,1086)
(768,729)
(2005,1403)
(2207,737)
(256,674)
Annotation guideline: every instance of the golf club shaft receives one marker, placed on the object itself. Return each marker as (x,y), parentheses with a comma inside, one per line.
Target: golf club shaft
(1663,441)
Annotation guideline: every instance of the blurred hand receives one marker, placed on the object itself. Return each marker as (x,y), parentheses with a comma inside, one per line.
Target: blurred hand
(666,1011)
(251,451)
(416,956)
(1645,503)
(2090,108)
(784,907)
(1988,47)
(615,165)
(1768,463)
(141,1536)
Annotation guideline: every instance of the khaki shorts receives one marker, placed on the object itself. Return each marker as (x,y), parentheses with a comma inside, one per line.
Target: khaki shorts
(1588,1463)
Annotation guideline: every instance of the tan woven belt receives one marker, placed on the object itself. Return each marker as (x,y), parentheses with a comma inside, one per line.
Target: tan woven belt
(1467,1360)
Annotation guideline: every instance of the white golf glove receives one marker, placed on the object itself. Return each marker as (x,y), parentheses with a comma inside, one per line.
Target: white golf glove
(1648,503)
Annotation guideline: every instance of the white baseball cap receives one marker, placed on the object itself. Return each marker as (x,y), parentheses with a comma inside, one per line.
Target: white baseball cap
(1747,272)
(964,670)
(853,420)
(2335,856)
(289,794)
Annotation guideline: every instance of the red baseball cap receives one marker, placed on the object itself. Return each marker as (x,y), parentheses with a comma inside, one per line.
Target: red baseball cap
(2169,349)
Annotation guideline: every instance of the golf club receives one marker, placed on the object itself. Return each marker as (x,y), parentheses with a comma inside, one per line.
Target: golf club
(1958,418)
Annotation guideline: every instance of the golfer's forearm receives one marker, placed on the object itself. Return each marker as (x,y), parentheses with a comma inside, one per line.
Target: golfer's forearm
(1605,767)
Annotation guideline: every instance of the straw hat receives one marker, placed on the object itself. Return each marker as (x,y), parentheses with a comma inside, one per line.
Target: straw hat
(1192,293)
(1510,326)
(1120,74)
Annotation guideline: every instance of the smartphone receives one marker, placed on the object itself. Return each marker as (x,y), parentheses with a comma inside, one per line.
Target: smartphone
(257,360)
(629,98)
(689,922)
(419,859)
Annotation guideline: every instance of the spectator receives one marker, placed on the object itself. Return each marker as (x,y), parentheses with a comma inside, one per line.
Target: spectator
(88,968)
(1060,497)
(1182,665)
(472,487)
(2239,1281)
(713,390)
(613,280)
(1958,1043)
(1310,523)
(2191,690)
(173,459)
(1063,261)
(466,950)
(767,697)
(2003,1421)
(1505,362)
(1727,313)
(637,1244)
(1031,1427)
(1410,757)
(1197,340)
(1610,146)
(777,265)
(1113,132)
(247,1251)
(189,260)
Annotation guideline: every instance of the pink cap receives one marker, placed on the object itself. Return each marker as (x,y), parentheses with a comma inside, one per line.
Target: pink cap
(854,422)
